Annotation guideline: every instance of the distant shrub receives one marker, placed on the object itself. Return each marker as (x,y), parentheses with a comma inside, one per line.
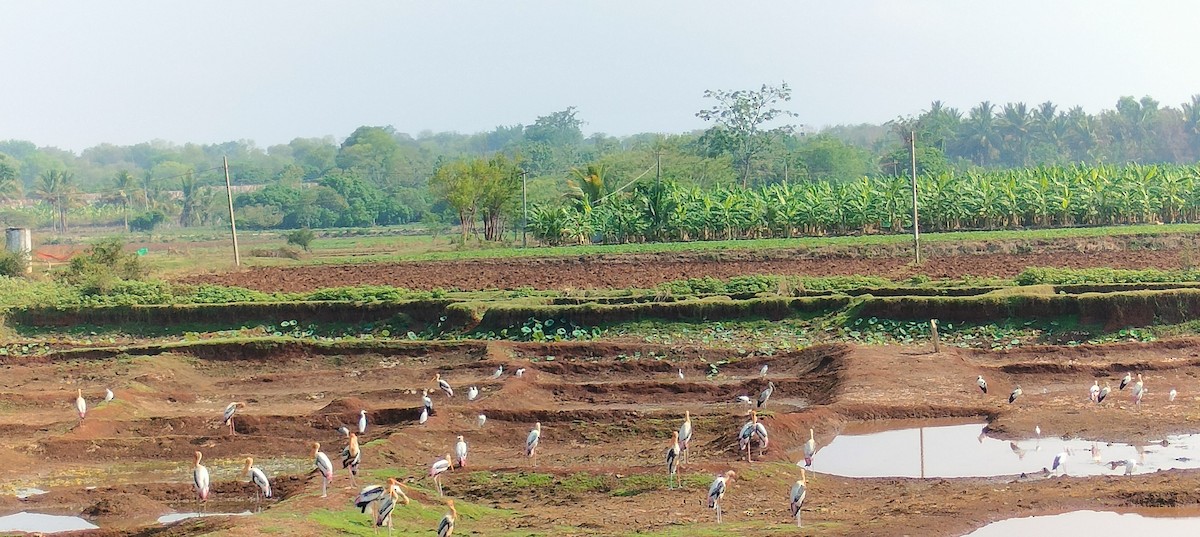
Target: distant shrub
(103,265)
(1062,276)
(366,293)
(11,264)
(147,221)
(302,237)
(216,294)
(290,253)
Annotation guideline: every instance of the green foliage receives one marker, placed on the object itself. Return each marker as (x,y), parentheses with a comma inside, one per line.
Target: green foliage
(216,294)
(103,266)
(366,293)
(11,264)
(548,330)
(302,237)
(1102,275)
(147,221)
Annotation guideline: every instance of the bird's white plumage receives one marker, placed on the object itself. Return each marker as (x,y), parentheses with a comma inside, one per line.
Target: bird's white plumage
(481,419)
(766,394)
(1094,391)
(532,440)
(108,395)
(260,479)
(472,393)
(230,410)
(424,416)
(520,371)
(80,405)
(1171,396)
(439,467)
(763,371)
(323,465)
(499,371)
(460,452)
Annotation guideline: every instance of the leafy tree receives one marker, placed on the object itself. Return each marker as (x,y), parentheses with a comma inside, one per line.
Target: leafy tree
(57,188)
(302,237)
(147,221)
(125,192)
(559,129)
(739,120)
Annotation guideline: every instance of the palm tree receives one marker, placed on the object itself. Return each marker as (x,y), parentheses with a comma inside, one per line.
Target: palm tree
(10,187)
(979,136)
(189,214)
(58,189)
(126,191)
(1014,125)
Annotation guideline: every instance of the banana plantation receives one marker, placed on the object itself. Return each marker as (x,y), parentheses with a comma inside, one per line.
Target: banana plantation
(976,200)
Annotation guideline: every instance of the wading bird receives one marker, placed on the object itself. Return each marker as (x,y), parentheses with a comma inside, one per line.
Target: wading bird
(1125,381)
(387,503)
(766,394)
(1094,391)
(685,434)
(752,430)
(763,372)
(351,457)
(446,526)
(425,400)
(799,491)
(1171,395)
(499,371)
(672,459)
(681,374)
(460,452)
(424,416)
(1095,452)
(1060,461)
(1037,429)
(443,385)
(981,383)
(480,420)
(438,468)
(472,393)
(230,410)
(520,372)
(369,496)
(1137,386)
(531,442)
(80,405)
(743,399)
(1129,464)
(810,448)
(1012,397)
(344,431)
(322,464)
(362,421)
(200,479)
(1137,399)
(263,486)
(716,491)
(1107,389)
(108,395)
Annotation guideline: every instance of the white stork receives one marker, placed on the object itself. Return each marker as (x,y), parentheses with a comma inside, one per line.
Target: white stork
(322,464)
(200,478)
(799,491)
(230,410)
(460,452)
(716,491)
(810,448)
(262,485)
(438,468)
(685,434)
(531,442)
(443,385)
(672,459)
(446,526)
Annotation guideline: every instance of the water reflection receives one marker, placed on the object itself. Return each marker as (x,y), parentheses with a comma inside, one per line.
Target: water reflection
(965,451)
(176,517)
(37,522)
(1085,522)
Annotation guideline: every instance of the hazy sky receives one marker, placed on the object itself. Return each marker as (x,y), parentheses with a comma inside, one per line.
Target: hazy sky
(79,73)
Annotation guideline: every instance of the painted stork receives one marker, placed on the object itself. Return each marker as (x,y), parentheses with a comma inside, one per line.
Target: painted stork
(1171,395)
(672,459)
(472,393)
(799,491)
(362,421)
(1129,464)
(810,448)
(369,496)
(1137,398)
(387,503)
(230,410)
(1125,381)
(763,372)
(681,373)
(200,478)
(1012,397)
(80,405)
(498,372)
(424,416)
(460,452)
(766,394)
(1107,389)
(1094,391)
(1060,461)
(322,464)
(685,434)
(743,399)
(344,431)
(351,457)
(1138,386)
(438,468)
(716,491)
(480,420)
(443,385)
(520,372)
(531,442)
(262,485)
(982,384)
(752,430)
(446,526)
(425,400)
(108,395)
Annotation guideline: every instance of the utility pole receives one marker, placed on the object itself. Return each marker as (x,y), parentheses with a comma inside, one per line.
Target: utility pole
(524,210)
(237,256)
(785,171)
(658,168)
(912,148)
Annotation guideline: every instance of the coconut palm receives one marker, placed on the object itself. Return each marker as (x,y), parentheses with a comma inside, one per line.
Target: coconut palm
(126,191)
(57,189)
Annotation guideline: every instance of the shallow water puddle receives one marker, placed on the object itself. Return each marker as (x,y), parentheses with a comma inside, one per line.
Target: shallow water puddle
(29,491)
(37,522)
(964,451)
(152,471)
(176,517)
(1088,522)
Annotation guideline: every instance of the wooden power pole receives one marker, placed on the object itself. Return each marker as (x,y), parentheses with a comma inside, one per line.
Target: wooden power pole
(912,148)
(237,256)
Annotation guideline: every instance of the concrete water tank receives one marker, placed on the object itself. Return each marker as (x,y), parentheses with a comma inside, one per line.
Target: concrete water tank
(19,240)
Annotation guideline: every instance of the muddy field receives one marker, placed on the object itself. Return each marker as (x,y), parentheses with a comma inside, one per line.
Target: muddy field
(954,261)
(607,411)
